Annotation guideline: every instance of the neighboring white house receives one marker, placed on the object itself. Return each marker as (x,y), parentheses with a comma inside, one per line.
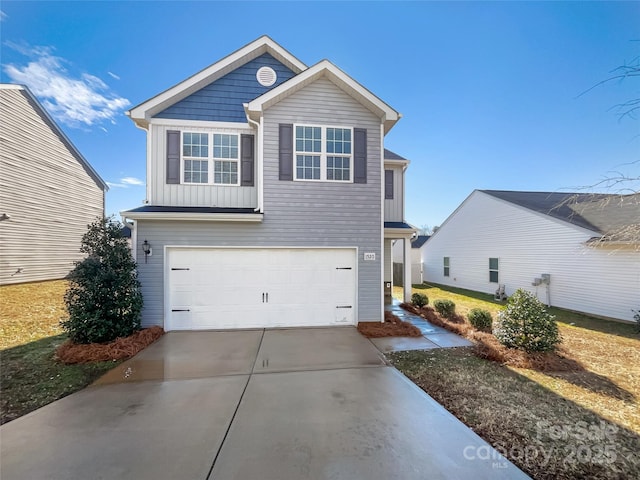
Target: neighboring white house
(271,200)
(48,192)
(573,250)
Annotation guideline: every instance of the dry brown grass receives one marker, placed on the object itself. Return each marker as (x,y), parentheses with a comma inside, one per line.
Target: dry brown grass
(392,327)
(31,311)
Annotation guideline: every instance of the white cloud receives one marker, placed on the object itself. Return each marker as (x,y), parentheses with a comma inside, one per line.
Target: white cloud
(113,75)
(3,16)
(76,101)
(126,182)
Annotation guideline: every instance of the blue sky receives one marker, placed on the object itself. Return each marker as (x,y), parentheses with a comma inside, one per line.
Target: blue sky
(489,91)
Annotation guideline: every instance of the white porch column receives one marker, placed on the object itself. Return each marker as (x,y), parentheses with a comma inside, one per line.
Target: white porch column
(407,269)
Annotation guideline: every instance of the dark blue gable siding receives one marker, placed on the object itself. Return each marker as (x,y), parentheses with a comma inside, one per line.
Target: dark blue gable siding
(222,100)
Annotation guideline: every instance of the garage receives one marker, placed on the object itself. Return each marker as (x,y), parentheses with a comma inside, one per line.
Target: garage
(223,288)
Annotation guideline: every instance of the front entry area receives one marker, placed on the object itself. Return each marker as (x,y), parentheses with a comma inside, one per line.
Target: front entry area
(223,288)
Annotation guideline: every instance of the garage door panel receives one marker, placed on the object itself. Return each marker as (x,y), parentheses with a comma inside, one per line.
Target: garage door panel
(249,288)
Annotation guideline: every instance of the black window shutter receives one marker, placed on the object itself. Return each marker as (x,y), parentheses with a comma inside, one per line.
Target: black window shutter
(359,155)
(388,184)
(173,156)
(286,151)
(247,156)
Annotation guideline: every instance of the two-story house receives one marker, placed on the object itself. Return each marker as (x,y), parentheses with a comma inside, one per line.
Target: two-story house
(271,200)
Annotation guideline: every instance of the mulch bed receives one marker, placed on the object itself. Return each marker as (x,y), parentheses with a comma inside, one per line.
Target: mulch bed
(487,346)
(119,349)
(391,327)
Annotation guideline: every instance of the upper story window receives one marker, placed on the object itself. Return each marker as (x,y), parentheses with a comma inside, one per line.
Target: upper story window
(323,153)
(203,153)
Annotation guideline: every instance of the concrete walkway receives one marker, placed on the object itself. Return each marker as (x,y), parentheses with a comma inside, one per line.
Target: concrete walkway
(432,335)
(304,404)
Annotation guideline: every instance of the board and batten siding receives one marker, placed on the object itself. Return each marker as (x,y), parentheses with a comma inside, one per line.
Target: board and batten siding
(394,208)
(47,193)
(192,195)
(599,281)
(296,214)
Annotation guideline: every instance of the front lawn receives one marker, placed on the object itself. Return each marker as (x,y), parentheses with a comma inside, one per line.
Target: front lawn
(578,424)
(30,376)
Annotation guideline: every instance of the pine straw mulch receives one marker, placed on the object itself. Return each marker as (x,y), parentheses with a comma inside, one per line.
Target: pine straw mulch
(119,349)
(391,327)
(487,346)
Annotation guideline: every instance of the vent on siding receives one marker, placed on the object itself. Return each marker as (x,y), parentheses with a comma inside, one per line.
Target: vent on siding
(266,76)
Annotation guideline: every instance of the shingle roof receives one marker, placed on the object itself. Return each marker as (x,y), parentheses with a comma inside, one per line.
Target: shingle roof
(389,155)
(419,241)
(610,215)
(397,225)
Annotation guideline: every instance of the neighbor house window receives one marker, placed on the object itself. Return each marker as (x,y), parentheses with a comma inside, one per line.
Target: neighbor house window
(493,270)
(446,266)
(323,153)
(202,153)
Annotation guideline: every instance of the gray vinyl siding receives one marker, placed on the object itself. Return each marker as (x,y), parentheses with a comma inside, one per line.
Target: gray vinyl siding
(596,280)
(46,191)
(192,195)
(394,208)
(296,214)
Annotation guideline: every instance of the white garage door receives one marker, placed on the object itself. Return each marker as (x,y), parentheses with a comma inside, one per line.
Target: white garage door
(218,288)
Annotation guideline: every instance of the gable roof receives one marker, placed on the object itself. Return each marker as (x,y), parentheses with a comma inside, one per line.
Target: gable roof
(328,70)
(141,113)
(616,217)
(389,155)
(33,102)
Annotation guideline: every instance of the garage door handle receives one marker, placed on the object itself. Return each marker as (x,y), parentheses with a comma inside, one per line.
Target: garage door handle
(179,269)
(343,268)
(267,297)
(344,306)
(180,310)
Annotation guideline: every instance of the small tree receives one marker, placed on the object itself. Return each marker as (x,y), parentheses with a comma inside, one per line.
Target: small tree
(525,323)
(103,299)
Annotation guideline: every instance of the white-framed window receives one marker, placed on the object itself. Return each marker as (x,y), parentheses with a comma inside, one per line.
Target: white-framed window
(493,270)
(323,153)
(446,264)
(204,152)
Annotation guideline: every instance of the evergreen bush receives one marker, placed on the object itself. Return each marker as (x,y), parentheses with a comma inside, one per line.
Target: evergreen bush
(446,308)
(480,319)
(419,300)
(526,324)
(103,299)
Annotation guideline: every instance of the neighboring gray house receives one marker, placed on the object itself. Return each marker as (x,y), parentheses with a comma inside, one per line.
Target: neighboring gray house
(573,250)
(48,192)
(266,201)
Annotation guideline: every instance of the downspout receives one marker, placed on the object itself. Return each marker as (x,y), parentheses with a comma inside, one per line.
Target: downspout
(258,126)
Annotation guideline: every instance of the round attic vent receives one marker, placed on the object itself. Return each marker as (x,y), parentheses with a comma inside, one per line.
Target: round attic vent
(266,76)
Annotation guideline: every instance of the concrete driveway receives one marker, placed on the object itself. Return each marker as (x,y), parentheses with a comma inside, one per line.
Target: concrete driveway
(275,404)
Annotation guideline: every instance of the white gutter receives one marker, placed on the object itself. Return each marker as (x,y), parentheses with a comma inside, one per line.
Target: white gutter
(195,217)
(259,159)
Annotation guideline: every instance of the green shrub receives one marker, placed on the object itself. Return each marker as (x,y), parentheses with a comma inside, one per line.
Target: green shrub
(526,324)
(636,317)
(446,308)
(419,300)
(480,319)
(103,299)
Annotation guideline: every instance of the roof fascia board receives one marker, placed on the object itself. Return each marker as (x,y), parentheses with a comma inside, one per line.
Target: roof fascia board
(325,68)
(57,130)
(144,111)
(198,217)
(396,162)
(171,122)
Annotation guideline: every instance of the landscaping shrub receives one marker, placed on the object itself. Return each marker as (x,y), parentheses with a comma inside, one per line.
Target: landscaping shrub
(480,319)
(419,300)
(103,299)
(526,324)
(636,317)
(446,308)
